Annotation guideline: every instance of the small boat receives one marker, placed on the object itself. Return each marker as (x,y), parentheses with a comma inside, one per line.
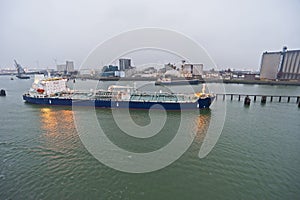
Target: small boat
(169,81)
(54,91)
(20,76)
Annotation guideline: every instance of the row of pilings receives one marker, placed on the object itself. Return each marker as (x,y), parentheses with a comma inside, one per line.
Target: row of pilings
(263,98)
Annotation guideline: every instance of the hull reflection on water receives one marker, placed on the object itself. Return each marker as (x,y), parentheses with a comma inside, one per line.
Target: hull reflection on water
(56,121)
(59,126)
(201,124)
(59,139)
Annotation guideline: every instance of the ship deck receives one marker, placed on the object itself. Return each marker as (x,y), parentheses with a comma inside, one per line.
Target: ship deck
(112,96)
(162,98)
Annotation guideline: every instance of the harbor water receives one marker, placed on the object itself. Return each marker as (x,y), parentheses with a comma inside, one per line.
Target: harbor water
(256,157)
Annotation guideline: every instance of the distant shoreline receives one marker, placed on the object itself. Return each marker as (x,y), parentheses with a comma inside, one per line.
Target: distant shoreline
(232,81)
(261,82)
(226,81)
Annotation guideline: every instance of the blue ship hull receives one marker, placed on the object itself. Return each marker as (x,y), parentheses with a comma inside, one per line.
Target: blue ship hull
(200,104)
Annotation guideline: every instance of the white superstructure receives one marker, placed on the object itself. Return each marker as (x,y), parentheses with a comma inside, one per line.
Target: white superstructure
(49,86)
(54,85)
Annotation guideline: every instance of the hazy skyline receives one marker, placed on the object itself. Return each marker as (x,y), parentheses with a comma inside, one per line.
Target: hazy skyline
(235,33)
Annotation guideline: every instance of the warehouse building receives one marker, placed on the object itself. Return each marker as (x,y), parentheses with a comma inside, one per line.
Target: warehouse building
(281,65)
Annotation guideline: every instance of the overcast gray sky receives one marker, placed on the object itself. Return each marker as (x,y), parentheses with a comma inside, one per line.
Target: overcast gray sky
(235,33)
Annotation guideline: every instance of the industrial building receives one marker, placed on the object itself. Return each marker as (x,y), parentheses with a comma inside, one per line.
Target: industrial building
(281,65)
(290,67)
(112,71)
(68,67)
(194,68)
(124,64)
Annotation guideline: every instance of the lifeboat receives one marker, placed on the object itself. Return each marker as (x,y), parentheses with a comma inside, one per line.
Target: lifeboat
(40,90)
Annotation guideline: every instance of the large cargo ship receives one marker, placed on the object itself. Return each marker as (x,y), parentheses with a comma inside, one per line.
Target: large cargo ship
(54,91)
(169,81)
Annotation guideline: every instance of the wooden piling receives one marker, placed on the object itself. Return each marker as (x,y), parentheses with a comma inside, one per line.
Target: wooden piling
(288,100)
(279,99)
(271,99)
(231,97)
(298,98)
(263,99)
(223,96)
(247,101)
(239,97)
(254,98)
(2,92)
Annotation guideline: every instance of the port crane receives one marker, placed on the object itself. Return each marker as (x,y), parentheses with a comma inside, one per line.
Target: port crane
(20,71)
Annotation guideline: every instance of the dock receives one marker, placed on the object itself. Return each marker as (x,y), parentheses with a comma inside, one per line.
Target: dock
(259,97)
